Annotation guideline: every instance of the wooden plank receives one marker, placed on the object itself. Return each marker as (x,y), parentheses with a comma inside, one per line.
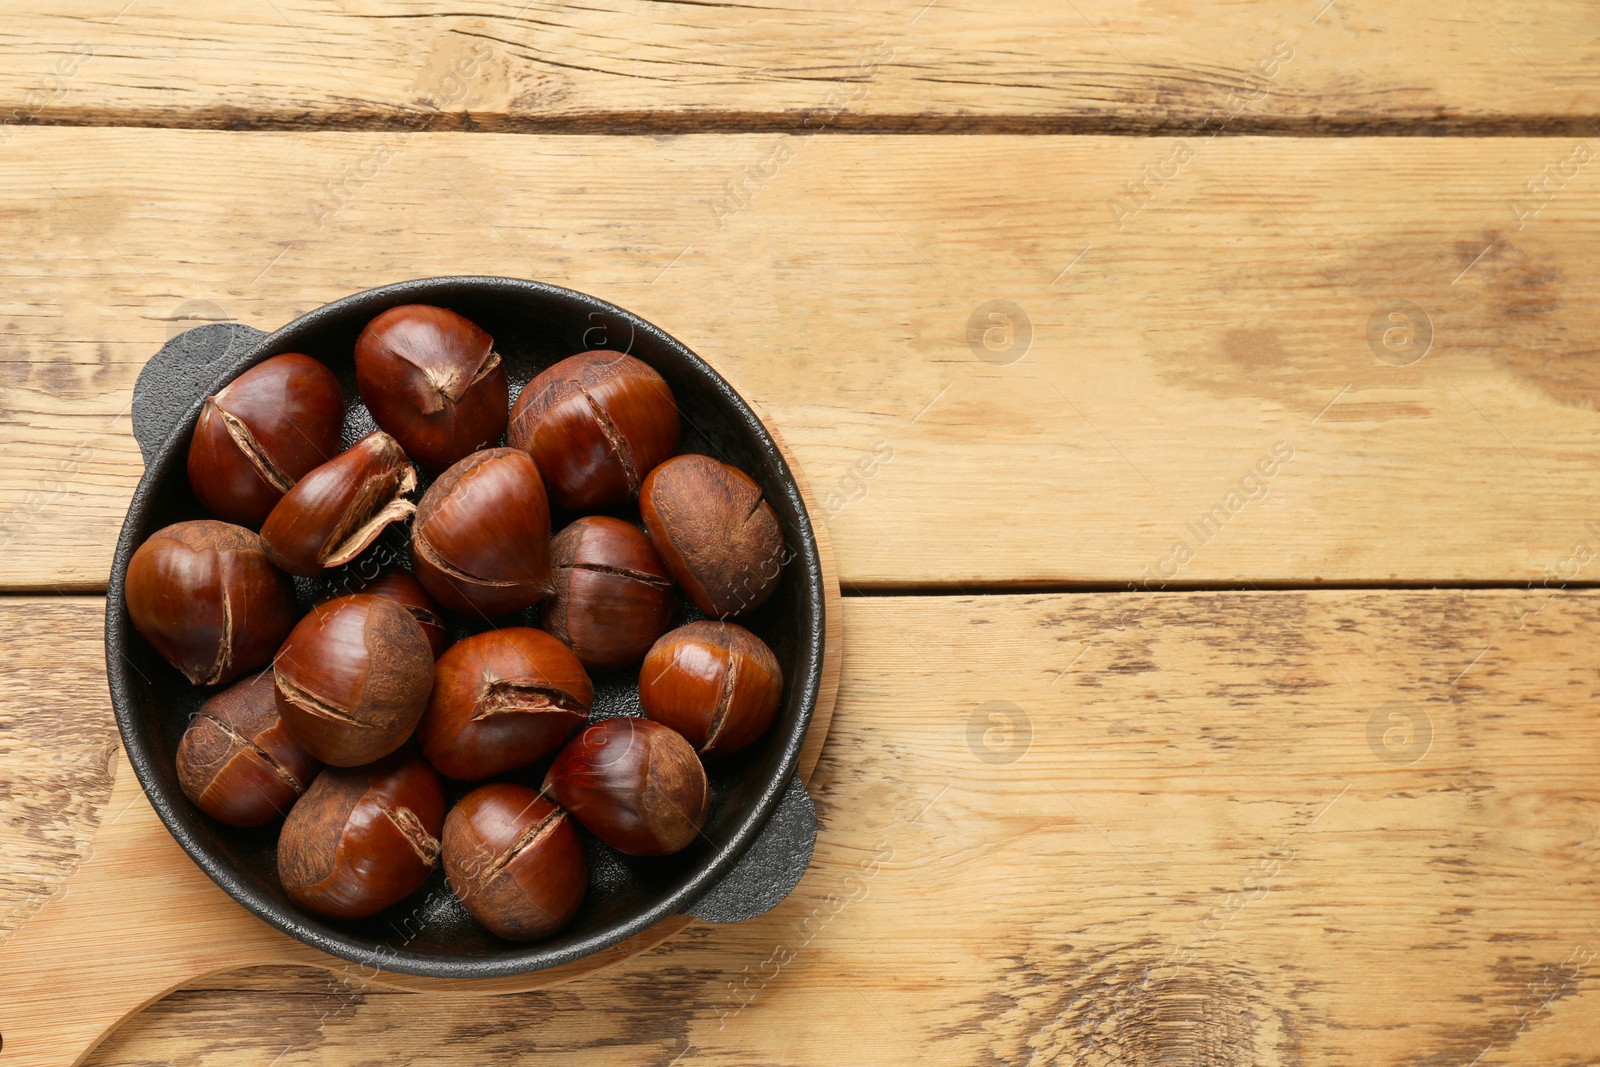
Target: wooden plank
(931,65)
(57,741)
(1341,827)
(1196,396)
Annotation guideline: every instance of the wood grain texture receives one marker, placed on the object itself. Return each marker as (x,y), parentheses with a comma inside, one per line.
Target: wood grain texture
(1197,834)
(1489,65)
(1158,361)
(57,743)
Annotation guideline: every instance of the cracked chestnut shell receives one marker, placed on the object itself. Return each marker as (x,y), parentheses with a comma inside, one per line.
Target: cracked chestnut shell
(596,423)
(206,597)
(432,379)
(353,679)
(716,683)
(362,838)
(613,595)
(480,540)
(334,513)
(515,861)
(502,699)
(718,537)
(238,762)
(637,785)
(263,432)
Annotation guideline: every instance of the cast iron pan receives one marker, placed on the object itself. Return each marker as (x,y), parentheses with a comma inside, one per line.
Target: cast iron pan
(758,839)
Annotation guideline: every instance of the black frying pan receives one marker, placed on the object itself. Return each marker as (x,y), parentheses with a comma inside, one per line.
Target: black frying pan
(758,839)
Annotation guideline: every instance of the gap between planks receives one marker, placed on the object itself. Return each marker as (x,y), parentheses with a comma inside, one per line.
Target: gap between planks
(627,123)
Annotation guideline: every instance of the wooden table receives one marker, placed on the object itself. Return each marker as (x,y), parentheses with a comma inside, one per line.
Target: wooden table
(1201,395)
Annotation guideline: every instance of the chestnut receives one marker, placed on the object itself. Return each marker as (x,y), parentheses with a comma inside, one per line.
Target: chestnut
(263,432)
(613,595)
(237,761)
(432,379)
(480,541)
(334,513)
(515,861)
(206,597)
(719,538)
(596,423)
(501,700)
(353,679)
(362,838)
(637,786)
(397,585)
(715,683)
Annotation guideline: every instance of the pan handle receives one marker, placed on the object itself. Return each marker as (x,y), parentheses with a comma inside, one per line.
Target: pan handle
(770,868)
(188,368)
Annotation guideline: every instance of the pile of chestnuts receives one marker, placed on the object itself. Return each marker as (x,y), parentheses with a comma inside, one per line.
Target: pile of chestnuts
(387,748)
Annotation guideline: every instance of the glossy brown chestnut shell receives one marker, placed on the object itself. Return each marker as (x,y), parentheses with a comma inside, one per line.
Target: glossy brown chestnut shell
(596,423)
(613,596)
(501,700)
(206,597)
(515,861)
(480,541)
(432,379)
(353,679)
(362,838)
(716,683)
(238,762)
(637,785)
(263,432)
(393,583)
(718,537)
(335,512)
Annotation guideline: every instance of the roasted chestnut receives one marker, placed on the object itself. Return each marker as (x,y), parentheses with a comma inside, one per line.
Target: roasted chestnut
(353,679)
(397,585)
(715,683)
(237,761)
(332,514)
(596,423)
(362,838)
(206,597)
(264,431)
(719,538)
(637,785)
(480,541)
(515,861)
(432,379)
(613,595)
(502,699)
